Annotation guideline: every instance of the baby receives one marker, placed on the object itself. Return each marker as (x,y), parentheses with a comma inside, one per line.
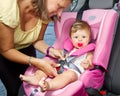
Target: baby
(74,65)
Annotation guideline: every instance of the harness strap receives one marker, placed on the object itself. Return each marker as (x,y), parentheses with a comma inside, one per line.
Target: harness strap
(69,64)
(73,66)
(34,92)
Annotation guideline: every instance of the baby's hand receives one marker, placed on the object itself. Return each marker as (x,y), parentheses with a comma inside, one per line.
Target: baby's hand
(86,64)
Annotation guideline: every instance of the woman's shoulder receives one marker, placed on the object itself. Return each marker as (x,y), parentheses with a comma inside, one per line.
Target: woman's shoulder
(9,12)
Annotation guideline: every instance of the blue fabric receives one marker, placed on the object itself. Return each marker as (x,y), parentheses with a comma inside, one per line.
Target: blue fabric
(3,91)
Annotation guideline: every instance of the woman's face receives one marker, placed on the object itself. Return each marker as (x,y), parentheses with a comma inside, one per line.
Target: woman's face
(55,7)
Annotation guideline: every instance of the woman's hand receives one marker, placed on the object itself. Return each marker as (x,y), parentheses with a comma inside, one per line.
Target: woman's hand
(48,67)
(55,53)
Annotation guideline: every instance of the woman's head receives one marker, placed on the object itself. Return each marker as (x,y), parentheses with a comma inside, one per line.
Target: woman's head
(80,34)
(46,9)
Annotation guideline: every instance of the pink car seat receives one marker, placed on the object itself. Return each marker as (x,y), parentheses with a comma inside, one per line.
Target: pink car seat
(103,29)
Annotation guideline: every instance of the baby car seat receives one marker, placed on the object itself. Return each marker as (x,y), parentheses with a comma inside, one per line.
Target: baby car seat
(103,30)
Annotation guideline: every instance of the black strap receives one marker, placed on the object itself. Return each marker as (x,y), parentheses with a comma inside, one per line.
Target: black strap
(74,5)
(80,12)
(98,67)
(61,68)
(92,92)
(34,92)
(116,1)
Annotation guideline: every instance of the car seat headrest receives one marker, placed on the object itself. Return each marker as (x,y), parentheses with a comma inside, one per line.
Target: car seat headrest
(75,6)
(99,4)
(92,4)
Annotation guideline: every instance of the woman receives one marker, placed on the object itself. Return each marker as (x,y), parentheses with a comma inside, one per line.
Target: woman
(22,27)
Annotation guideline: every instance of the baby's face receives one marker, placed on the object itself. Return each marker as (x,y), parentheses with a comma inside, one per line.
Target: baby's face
(80,38)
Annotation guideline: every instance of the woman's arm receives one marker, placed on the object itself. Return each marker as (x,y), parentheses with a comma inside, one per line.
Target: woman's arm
(41,45)
(8,51)
(7,45)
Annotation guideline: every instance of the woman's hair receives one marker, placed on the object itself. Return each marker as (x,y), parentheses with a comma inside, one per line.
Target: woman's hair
(40,9)
(39,6)
(80,25)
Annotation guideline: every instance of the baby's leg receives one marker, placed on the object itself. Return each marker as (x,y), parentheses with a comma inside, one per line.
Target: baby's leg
(34,78)
(59,81)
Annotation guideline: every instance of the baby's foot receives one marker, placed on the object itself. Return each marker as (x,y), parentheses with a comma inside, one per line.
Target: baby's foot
(43,84)
(29,79)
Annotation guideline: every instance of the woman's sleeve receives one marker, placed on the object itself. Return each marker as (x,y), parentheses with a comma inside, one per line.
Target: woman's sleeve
(9,13)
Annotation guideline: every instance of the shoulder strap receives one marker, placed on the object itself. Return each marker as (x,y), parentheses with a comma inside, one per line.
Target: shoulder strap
(80,12)
(88,48)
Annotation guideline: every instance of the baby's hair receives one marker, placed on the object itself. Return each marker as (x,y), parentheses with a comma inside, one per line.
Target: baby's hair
(80,25)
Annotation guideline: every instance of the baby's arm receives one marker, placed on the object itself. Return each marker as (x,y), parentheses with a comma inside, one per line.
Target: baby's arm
(87,63)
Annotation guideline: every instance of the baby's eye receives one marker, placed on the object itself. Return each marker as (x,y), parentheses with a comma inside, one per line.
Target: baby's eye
(76,37)
(83,36)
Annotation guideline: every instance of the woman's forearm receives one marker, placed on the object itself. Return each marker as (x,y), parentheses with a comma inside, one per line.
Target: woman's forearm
(15,56)
(41,46)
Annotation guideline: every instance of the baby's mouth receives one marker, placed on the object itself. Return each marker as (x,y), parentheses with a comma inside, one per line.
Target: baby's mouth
(80,44)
